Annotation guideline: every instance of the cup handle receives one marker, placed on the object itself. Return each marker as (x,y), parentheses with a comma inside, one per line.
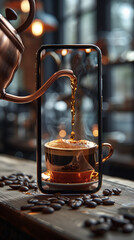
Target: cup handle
(108,145)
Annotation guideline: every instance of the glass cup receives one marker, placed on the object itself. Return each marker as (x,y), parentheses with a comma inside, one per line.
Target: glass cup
(73,161)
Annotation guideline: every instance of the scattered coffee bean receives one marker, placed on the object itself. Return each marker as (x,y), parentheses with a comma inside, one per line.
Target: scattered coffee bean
(56,206)
(80,199)
(86,201)
(15,181)
(27,207)
(129,216)
(85,196)
(15,186)
(101,220)
(2,184)
(108,202)
(37,208)
(8,182)
(32,185)
(20,174)
(23,189)
(100,229)
(65,199)
(106,218)
(98,201)
(12,177)
(58,201)
(51,199)
(33,200)
(30,176)
(75,204)
(104,198)
(43,202)
(90,222)
(107,192)
(116,191)
(47,209)
(128,228)
(91,204)
(94,195)
(26,184)
(119,222)
(4,177)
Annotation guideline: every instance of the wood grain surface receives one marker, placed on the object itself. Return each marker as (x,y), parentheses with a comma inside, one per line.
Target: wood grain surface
(66,223)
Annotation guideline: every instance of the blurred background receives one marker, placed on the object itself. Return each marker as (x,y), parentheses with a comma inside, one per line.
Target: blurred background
(109,25)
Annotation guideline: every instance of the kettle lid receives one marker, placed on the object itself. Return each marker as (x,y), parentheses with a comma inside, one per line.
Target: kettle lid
(11,33)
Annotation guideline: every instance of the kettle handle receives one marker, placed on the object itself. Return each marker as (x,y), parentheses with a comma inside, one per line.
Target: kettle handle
(29,19)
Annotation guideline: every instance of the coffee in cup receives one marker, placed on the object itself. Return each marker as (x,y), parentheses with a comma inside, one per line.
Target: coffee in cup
(72,161)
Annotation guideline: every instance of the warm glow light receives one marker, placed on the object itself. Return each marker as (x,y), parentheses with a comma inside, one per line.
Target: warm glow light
(25,7)
(95,130)
(62,133)
(87,50)
(64,52)
(37,28)
(95,133)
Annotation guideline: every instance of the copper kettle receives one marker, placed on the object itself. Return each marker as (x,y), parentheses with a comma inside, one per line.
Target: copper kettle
(11,49)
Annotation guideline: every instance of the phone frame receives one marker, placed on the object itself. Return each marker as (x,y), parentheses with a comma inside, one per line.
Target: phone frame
(38,85)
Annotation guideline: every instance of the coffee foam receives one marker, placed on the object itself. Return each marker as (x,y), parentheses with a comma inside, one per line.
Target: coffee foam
(70,144)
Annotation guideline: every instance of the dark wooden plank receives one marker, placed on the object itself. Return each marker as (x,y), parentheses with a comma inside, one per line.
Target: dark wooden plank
(66,223)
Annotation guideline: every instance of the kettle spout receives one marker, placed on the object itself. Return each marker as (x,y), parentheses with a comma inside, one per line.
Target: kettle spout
(42,90)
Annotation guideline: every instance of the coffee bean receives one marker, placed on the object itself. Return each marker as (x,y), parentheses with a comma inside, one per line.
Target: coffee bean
(8,182)
(116,191)
(52,199)
(101,220)
(32,185)
(104,198)
(15,186)
(129,216)
(15,181)
(20,174)
(37,208)
(56,206)
(106,218)
(2,184)
(4,177)
(43,202)
(33,200)
(86,201)
(108,202)
(26,184)
(23,189)
(65,199)
(58,201)
(90,222)
(33,181)
(100,229)
(85,196)
(80,199)
(107,192)
(128,228)
(47,209)
(91,204)
(71,201)
(30,176)
(75,204)
(98,201)
(119,222)
(12,177)
(94,195)
(21,178)
(27,207)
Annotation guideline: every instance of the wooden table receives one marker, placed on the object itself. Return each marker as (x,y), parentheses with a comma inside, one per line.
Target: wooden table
(66,224)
